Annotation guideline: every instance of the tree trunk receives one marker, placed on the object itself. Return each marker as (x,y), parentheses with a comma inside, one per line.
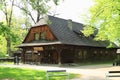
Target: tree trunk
(8,45)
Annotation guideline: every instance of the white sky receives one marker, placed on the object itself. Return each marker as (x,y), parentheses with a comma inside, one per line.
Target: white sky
(72,9)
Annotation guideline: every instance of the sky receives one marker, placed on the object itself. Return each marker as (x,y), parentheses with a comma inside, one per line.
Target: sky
(71,9)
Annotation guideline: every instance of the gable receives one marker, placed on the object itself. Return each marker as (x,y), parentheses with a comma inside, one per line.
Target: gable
(39,30)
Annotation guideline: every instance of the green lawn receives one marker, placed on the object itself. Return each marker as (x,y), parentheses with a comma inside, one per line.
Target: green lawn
(7,73)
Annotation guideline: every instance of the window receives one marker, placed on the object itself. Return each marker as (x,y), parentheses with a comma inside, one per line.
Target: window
(42,35)
(37,36)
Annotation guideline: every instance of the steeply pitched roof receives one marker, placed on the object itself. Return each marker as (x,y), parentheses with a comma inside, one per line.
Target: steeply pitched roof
(60,29)
(65,35)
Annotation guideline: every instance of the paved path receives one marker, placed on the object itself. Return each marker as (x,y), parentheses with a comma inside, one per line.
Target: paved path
(90,72)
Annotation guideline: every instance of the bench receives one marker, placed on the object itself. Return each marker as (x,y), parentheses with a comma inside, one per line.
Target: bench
(113,74)
(56,73)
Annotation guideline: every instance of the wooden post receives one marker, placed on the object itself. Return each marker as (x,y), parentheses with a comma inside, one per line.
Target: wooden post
(59,50)
(32,57)
(23,56)
(59,58)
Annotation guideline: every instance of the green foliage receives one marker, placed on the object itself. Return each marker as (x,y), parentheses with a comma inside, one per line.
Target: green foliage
(56,1)
(7,10)
(39,5)
(88,30)
(2,55)
(13,29)
(105,17)
(35,9)
(2,46)
(4,30)
(16,33)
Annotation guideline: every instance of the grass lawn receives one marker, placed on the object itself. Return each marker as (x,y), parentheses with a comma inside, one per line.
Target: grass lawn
(7,73)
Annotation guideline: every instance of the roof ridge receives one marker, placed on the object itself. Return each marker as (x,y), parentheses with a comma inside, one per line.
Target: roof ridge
(65,19)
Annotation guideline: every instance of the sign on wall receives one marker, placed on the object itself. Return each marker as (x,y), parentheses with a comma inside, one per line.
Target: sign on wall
(38,48)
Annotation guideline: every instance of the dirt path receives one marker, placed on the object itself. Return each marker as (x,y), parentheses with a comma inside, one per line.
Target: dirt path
(90,72)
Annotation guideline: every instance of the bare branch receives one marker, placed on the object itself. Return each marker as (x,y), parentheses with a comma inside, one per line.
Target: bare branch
(27,12)
(10,18)
(38,15)
(31,17)
(5,12)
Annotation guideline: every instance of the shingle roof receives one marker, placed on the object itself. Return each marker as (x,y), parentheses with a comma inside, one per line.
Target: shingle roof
(60,29)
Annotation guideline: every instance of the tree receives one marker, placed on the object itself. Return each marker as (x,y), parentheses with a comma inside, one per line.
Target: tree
(104,17)
(16,33)
(10,27)
(3,30)
(8,19)
(35,9)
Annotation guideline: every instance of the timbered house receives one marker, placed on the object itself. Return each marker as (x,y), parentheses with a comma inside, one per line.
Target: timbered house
(54,41)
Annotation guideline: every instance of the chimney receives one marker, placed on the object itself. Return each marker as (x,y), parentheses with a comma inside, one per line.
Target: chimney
(70,24)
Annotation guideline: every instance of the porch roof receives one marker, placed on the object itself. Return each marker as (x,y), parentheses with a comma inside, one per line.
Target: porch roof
(38,44)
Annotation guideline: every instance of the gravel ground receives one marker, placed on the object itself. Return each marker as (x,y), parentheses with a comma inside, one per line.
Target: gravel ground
(89,72)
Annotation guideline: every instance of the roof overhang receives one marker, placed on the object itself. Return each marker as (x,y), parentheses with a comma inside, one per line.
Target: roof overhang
(38,44)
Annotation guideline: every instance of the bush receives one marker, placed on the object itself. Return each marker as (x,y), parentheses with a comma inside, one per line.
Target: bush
(2,55)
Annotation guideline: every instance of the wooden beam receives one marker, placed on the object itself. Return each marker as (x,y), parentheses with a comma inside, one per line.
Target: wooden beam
(23,56)
(59,49)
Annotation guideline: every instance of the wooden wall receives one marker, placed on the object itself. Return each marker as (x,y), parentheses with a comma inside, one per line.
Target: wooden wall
(94,54)
(70,54)
(67,56)
(31,34)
